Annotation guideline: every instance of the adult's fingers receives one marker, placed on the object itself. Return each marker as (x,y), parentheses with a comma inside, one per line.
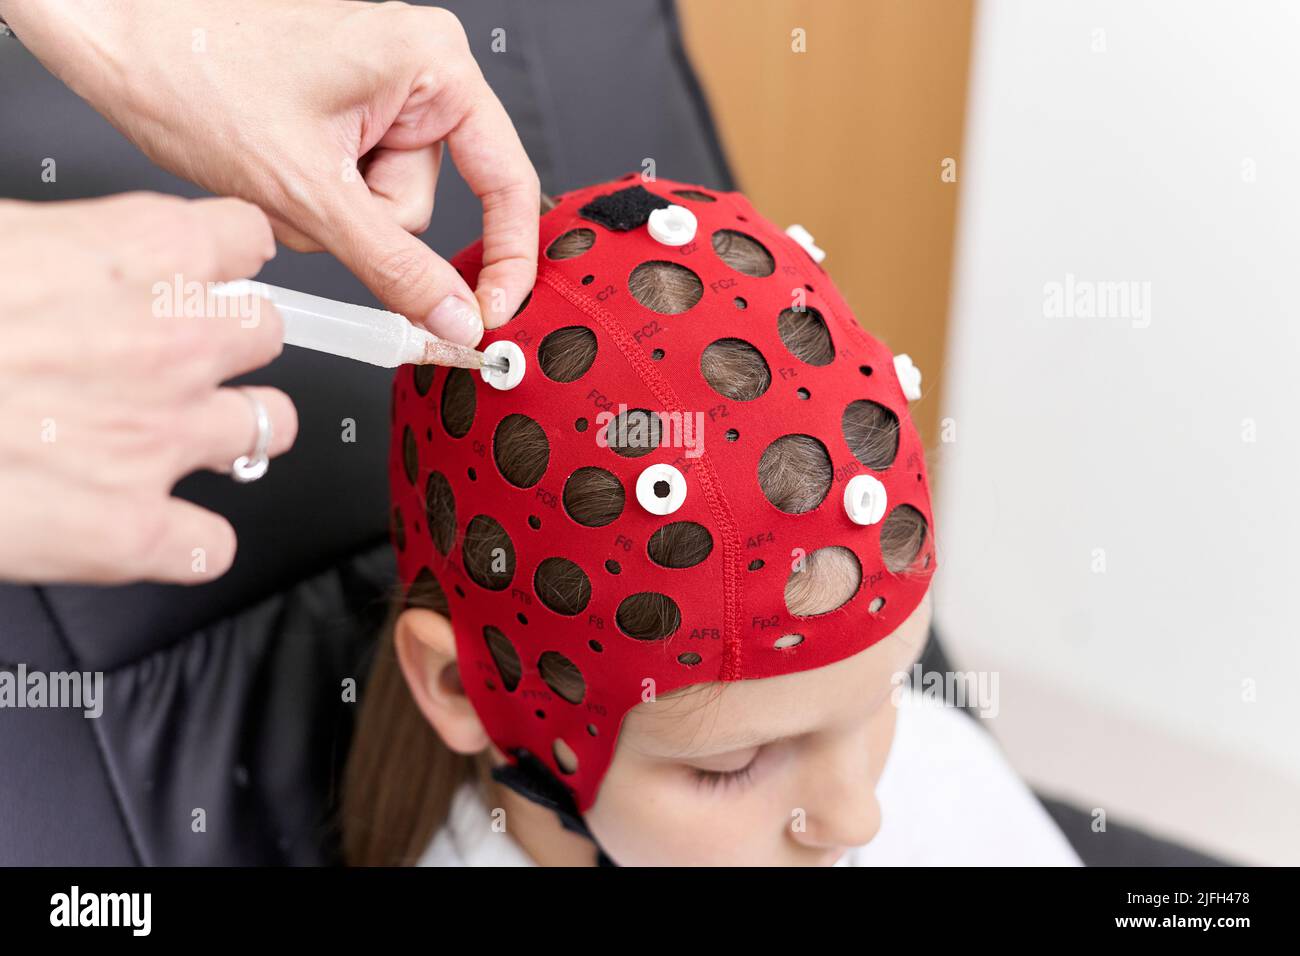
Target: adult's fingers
(492,160)
(223,427)
(158,238)
(234,335)
(181,543)
(405,181)
(239,237)
(290,235)
(146,237)
(99,538)
(402,180)
(150,538)
(404,273)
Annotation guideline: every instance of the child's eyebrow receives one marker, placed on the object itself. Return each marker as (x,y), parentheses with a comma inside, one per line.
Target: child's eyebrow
(744,739)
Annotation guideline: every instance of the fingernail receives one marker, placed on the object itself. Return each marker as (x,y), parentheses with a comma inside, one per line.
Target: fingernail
(456,321)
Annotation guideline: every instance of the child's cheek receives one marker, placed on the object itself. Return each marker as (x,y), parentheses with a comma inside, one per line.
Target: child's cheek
(666,819)
(881,736)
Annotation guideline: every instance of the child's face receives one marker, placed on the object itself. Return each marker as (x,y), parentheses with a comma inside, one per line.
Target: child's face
(811,747)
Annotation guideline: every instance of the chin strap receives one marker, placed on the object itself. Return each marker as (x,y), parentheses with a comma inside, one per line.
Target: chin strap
(533,779)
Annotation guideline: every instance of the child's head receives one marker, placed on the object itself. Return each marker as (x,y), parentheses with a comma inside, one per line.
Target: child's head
(696,532)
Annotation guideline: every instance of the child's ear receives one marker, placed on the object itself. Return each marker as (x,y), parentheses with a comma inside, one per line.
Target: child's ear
(426,652)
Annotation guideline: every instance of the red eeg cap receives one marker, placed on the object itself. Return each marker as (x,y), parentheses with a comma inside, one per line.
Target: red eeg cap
(731,616)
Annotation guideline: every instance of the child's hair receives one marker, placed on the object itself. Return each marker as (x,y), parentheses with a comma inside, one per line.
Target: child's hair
(400,776)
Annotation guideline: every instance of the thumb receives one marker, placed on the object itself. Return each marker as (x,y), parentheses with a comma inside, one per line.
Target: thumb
(403,273)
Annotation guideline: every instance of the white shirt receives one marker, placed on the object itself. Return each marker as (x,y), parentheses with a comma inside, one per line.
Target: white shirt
(947,796)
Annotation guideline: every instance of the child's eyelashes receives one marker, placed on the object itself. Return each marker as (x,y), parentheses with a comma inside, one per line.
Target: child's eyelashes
(713,779)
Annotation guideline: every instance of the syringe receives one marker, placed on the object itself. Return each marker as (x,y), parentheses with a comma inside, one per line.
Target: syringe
(357,331)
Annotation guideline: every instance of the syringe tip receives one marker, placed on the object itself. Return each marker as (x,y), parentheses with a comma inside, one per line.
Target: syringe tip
(440,352)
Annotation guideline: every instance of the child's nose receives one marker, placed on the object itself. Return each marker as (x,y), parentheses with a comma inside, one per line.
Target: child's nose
(847,824)
(840,802)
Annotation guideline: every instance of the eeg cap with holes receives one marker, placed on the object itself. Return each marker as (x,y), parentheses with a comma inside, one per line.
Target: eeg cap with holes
(725,617)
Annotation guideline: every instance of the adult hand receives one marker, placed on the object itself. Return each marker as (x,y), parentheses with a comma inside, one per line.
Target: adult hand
(329,115)
(110,385)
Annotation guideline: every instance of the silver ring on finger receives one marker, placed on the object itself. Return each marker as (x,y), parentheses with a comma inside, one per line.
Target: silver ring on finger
(253,466)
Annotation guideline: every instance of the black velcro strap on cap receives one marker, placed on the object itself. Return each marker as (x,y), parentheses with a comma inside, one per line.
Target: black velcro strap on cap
(625,209)
(533,779)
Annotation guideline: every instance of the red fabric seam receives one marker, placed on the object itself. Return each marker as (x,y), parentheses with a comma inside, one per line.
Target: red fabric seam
(708,477)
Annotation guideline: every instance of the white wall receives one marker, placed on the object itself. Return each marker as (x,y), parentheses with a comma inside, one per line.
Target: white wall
(1170,157)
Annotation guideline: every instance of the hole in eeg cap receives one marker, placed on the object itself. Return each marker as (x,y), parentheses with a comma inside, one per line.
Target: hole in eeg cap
(901,537)
(593,497)
(795,473)
(694,194)
(410,455)
(562,586)
(735,369)
(488,553)
(422,377)
(567,353)
(682,544)
(504,656)
(634,433)
(648,616)
(398,529)
(425,592)
(871,432)
(743,253)
(521,450)
(562,676)
(458,402)
(572,244)
(823,582)
(440,511)
(805,334)
(665,287)
(564,756)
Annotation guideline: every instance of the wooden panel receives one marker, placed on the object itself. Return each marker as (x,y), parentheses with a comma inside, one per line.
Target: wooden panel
(848,139)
